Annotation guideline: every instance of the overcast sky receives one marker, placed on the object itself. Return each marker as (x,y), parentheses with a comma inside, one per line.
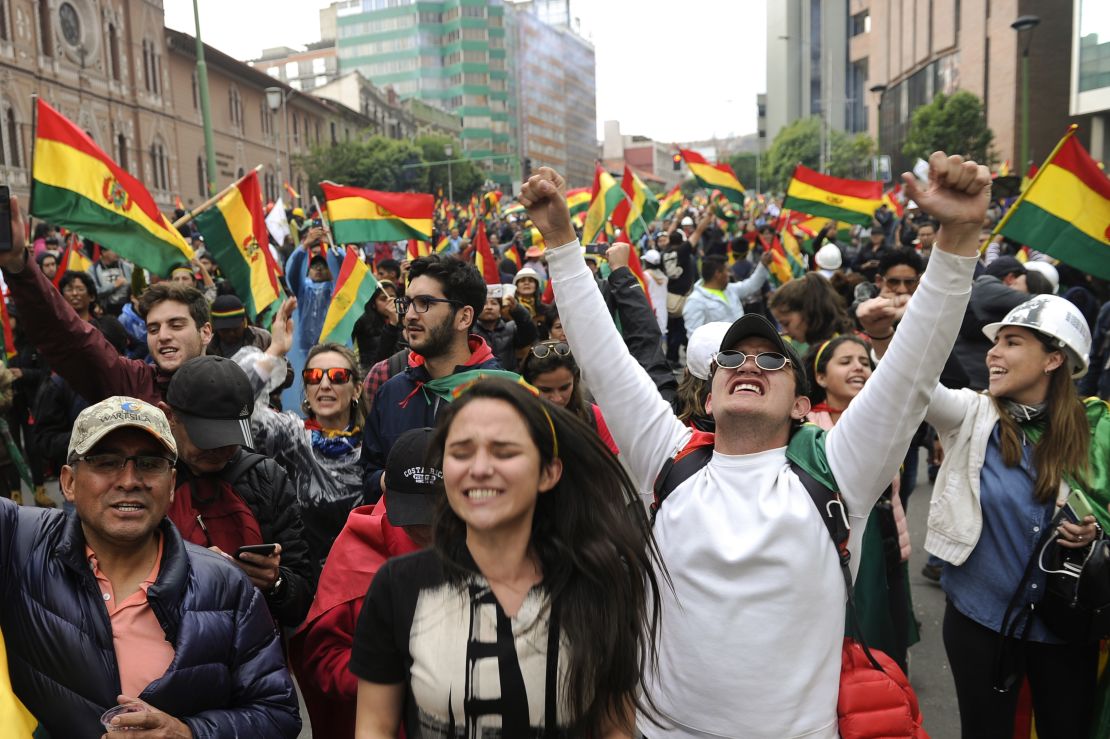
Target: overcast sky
(674,71)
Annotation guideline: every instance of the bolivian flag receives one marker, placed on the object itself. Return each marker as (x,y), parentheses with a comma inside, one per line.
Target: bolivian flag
(578,200)
(417,248)
(354,288)
(72,260)
(76,185)
(714,176)
(1065,211)
(235,232)
(638,207)
(670,203)
(854,201)
(604,198)
(359,215)
(16,721)
(483,257)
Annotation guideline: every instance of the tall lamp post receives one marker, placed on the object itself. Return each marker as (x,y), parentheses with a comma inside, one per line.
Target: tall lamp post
(1024,26)
(448,151)
(205,107)
(878,89)
(275,98)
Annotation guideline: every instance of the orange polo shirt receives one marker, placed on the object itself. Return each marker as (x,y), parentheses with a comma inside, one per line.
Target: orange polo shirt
(142,652)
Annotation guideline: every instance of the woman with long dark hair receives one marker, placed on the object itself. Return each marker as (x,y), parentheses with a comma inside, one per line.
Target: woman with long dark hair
(549,367)
(809,311)
(1012,457)
(536,612)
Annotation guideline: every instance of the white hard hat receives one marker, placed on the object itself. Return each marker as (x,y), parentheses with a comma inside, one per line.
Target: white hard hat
(1046,269)
(653,257)
(1056,318)
(703,343)
(829,257)
(687,221)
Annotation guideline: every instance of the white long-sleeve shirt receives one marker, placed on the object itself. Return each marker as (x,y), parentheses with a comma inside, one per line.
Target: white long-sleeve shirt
(751,635)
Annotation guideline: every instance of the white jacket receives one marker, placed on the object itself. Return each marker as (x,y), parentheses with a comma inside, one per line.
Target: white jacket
(704,307)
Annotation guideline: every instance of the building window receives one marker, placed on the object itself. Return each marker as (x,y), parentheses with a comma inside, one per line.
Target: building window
(159,167)
(121,151)
(146,65)
(113,51)
(202,180)
(235,107)
(46,29)
(296,132)
(5,35)
(11,147)
(334,140)
(860,23)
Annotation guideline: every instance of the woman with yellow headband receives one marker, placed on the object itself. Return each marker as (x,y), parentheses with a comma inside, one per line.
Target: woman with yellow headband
(838,369)
(536,611)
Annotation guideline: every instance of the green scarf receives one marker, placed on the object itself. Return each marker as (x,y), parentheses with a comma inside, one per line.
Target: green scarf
(448,388)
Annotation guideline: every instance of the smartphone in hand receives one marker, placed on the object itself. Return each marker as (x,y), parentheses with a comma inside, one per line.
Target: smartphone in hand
(264,549)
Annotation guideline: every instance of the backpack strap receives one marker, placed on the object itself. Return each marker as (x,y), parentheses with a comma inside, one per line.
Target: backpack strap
(676,471)
(247,461)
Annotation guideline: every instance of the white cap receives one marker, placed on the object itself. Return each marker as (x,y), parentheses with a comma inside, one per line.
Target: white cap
(1046,269)
(829,257)
(687,221)
(702,345)
(526,272)
(652,256)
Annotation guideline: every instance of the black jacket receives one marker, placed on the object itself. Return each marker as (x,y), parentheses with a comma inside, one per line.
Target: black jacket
(641,329)
(508,336)
(991,299)
(228,677)
(265,488)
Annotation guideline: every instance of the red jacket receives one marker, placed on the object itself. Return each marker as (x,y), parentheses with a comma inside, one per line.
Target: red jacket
(74,348)
(321,649)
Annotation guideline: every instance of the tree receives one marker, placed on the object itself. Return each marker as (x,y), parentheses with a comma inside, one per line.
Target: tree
(743,164)
(376,163)
(466,177)
(800,143)
(955,124)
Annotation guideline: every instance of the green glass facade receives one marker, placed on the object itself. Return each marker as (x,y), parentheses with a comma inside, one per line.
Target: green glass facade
(450,53)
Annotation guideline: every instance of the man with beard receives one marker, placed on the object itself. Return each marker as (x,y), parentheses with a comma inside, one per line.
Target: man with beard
(443,299)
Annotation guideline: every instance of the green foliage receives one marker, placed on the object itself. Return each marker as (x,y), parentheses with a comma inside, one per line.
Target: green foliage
(743,164)
(800,143)
(954,124)
(378,163)
(689,187)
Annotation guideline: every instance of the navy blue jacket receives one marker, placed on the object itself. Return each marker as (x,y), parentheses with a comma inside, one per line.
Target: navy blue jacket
(400,405)
(227,679)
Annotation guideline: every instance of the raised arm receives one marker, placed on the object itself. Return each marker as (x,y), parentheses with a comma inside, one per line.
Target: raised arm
(869,442)
(746,288)
(642,423)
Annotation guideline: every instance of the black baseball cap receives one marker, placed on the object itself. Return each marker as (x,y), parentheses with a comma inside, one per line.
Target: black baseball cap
(212,397)
(411,485)
(227,312)
(753,324)
(1003,266)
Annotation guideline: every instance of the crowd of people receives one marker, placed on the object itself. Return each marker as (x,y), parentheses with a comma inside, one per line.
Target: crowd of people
(578,502)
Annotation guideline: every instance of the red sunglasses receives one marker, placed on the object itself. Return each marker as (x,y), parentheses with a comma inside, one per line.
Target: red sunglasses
(336,375)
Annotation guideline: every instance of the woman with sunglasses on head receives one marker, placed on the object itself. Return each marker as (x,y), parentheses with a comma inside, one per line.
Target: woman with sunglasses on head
(550,368)
(1013,458)
(838,369)
(321,452)
(536,612)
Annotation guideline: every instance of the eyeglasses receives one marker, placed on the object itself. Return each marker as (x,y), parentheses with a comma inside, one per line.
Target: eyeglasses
(766,361)
(113,464)
(75,287)
(419,303)
(907,282)
(336,375)
(542,351)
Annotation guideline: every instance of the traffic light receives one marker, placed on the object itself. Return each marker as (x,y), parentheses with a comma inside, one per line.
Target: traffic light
(677,159)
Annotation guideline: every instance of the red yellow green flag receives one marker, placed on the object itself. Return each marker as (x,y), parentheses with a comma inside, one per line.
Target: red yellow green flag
(670,203)
(714,176)
(234,231)
(73,259)
(639,206)
(442,244)
(353,289)
(484,259)
(359,215)
(604,198)
(17,721)
(578,200)
(854,201)
(76,185)
(1065,211)
(531,236)
(417,248)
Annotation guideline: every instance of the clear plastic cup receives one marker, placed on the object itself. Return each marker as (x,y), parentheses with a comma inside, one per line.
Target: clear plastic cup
(111,713)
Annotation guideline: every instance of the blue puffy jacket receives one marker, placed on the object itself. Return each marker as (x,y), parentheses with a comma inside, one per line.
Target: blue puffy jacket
(227,679)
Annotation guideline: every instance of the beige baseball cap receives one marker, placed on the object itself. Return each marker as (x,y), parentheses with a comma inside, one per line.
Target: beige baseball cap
(118,412)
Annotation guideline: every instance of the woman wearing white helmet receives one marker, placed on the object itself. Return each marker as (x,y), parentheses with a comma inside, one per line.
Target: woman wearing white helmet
(1013,455)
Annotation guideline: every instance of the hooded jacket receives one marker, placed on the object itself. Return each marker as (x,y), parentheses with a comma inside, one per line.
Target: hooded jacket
(402,404)
(227,678)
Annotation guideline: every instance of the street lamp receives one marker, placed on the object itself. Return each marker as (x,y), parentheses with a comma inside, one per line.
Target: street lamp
(1024,26)
(275,96)
(448,151)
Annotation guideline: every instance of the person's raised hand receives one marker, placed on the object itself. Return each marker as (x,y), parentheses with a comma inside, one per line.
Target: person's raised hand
(544,197)
(281,330)
(878,315)
(148,724)
(957,195)
(766,259)
(313,236)
(618,255)
(15,260)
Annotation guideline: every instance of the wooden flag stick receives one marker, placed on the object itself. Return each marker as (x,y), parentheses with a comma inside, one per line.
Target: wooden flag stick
(191,214)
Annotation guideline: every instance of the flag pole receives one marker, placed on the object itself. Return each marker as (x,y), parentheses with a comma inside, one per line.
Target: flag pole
(324,221)
(34,138)
(1005,219)
(193,213)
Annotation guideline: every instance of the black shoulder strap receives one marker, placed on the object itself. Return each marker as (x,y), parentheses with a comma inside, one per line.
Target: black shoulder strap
(247,461)
(677,471)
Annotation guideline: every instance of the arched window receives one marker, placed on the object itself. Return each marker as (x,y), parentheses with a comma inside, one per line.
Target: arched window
(146,65)
(159,166)
(46,29)
(5,34)
(235,106)
(202,181)
(296,132)
(121,151)
(11,143)
(113,51)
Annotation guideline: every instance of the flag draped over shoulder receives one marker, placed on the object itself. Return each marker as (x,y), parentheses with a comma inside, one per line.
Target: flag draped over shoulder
(638,207)
(854,201)
(235,232)
(353,289)
(1065,211)
(714,176)
(604,198)
(76,185)
(359,215)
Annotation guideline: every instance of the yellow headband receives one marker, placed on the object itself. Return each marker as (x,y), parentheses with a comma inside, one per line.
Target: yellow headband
(817,359)
(551,425)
